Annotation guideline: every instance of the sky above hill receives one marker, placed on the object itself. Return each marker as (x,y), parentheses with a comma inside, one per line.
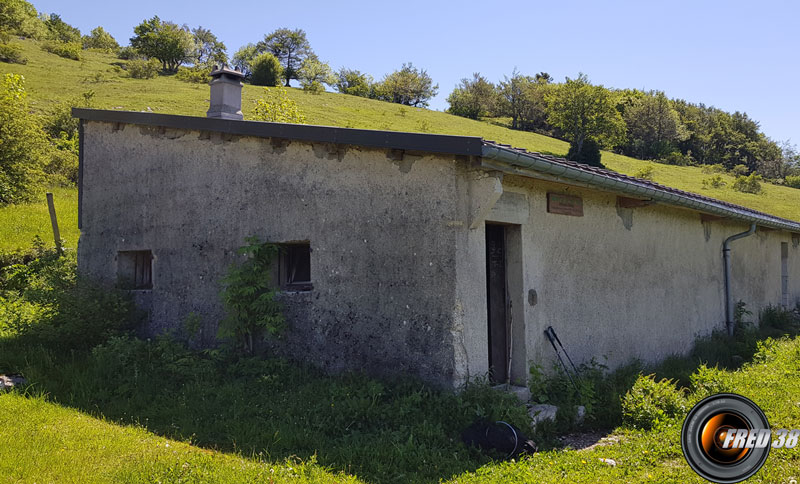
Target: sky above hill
(735,55)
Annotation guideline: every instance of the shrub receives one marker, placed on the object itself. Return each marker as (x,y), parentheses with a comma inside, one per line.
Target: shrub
(714,182)
(707,381)
(792,181)
(22,143)
(199,75)
(59,120)
(73,313)
(67,50)
(649,403)
(353,82)
(12,53)
(143,69)
(266,70)
(646,173)
(740,170)
(276,107)
(717,168)
(589,154)
(249,297)
(62,167)
(128,53)
(678,159)
(748,184)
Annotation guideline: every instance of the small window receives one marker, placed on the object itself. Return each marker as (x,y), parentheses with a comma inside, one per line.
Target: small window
(135,269)
(294,272)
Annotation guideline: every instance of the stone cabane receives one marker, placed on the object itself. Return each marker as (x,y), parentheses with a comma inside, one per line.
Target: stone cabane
(397,232)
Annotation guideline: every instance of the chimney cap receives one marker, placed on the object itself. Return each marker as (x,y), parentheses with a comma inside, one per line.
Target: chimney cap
(225,71)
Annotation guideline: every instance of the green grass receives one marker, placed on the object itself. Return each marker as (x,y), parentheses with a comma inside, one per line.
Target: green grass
(111,402)
(52,79)
(56,444)
(19,224)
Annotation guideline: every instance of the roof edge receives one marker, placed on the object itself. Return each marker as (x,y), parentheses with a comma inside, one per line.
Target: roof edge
(636,188)
(432,143)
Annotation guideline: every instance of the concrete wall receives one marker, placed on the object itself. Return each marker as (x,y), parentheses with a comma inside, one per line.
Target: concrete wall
(381,232)
(616,284)
(398,252)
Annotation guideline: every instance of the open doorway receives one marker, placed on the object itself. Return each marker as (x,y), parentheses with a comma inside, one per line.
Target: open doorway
(497,303)
(505,307)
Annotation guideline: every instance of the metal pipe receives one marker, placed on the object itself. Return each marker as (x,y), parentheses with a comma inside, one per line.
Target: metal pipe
(726,256)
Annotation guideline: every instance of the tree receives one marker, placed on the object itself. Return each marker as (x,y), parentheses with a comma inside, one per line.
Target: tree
(654,126)
(100,39)
(60,30)
(409,86)
(208,50)
(242,60)
(290,47)
(473,98)
(583,111)
(588,153)
(353,82)
(314,73)
(522,98)
(266,70)
(20,18)
(166,41)
(22,143)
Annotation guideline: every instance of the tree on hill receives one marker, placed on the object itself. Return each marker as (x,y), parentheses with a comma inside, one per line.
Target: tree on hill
(265,70)
(100,39)
(291,47)
(60,30)
(314,74)
(166,41)
(242,60)
(353,82)
(654,127)
(209,50)
(19,17)
(473,98)
(584,111)
(409,86)
(522,98)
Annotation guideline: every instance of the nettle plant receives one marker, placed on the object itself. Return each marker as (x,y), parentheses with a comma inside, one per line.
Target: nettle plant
(250,298)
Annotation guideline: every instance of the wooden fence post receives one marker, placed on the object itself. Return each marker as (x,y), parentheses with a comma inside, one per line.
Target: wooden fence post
(56,235)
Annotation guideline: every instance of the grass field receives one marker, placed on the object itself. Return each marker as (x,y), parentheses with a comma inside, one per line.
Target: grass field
(60,445)
(52,79)
(19,224)
(54,443)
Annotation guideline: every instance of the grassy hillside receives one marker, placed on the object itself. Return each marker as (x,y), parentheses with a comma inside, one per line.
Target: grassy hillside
(52,79)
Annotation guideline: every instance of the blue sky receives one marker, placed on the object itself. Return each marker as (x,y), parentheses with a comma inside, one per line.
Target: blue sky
(735,55)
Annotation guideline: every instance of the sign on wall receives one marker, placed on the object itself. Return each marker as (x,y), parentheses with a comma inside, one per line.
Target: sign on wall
(565,204)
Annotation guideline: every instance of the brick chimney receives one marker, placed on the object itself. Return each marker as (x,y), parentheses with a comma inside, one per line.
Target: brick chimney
(226,94)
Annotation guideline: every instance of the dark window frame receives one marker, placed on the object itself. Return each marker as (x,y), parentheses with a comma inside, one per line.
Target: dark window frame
(139,268)
(294,267)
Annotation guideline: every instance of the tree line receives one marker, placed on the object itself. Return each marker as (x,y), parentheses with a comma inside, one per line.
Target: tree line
(643,124)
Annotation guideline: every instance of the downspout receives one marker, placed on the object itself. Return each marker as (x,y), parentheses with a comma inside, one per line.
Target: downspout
(726,256)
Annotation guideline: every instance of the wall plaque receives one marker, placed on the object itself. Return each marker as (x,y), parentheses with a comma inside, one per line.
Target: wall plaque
(565,204)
